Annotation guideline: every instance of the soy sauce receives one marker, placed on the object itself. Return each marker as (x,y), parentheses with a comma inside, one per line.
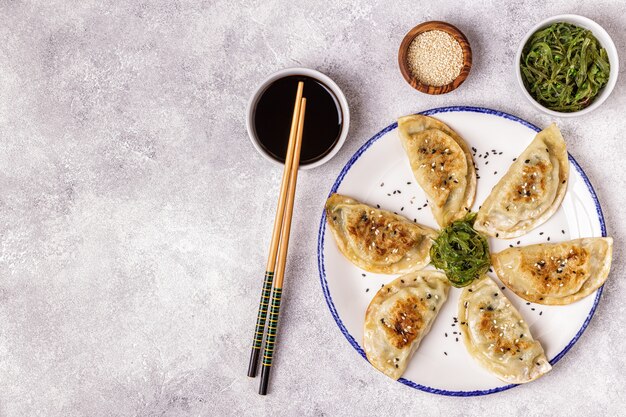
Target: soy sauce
(322,124)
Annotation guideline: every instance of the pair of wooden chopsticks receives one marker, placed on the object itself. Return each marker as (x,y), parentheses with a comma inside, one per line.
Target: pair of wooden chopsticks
(275,270)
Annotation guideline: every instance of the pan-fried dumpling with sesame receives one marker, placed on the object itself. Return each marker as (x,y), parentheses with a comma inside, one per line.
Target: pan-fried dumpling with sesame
(557,273)
(496,335)
(377,240)
(531,191)
(442,165)
(398,318)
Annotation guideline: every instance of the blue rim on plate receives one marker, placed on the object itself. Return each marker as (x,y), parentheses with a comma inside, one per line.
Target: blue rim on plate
(322,229)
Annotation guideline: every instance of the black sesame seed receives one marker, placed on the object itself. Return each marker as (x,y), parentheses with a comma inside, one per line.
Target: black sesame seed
(377,205)
(514,159)
(540,233)
(532,309)
(497,234)
(408,183)
(401,208)
(394,191)
(519,241)
(470,290)
(540,313)
(402,281)
(527,304)
(367,290)
(527,161)
(495,172)
(396,365)
(502,288)
(399,192)
(486,162)
(445,353)
(382,183)
(428,296)
(510,246)
(446,334)
(563,182)
(563,231)
(457,339)
(548,238)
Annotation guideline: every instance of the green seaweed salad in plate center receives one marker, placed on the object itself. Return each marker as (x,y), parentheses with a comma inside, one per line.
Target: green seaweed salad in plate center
(461,252)
(564,67)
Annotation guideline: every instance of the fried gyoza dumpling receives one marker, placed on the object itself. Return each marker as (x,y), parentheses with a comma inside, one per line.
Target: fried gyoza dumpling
(497,337)
(531,191)
(442,165)
(557,273)
(398,318)
(377,240)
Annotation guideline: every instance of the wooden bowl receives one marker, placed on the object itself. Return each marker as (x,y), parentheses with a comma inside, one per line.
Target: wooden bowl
(425,27)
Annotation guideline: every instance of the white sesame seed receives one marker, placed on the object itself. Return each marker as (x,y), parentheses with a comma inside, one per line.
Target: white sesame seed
(435,58)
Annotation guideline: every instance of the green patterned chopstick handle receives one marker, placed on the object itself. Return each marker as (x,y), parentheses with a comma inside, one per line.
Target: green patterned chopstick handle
(270,340)
(260,324)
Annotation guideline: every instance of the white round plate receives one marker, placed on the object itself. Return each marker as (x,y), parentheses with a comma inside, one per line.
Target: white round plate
(379,173)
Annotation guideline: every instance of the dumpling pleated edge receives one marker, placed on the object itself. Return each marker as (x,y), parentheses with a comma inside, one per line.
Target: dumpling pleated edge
(432,123)
(586,290)
(346,250)
(437,284)
(543,366)
(553,132)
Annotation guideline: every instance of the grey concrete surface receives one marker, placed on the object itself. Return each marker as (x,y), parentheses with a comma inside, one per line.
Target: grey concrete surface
(135,215)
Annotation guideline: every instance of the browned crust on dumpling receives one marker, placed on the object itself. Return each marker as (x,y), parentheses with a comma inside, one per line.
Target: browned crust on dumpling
(557,273)
(399,316)
(377,240)
(436,157)
(430,124)
(526,196)
(405,322)
(387,237)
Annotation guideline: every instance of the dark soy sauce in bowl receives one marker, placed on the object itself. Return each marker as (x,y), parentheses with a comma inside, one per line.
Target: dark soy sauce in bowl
(322,123)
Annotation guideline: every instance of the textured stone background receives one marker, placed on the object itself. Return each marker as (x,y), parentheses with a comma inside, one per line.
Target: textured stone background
(135,215)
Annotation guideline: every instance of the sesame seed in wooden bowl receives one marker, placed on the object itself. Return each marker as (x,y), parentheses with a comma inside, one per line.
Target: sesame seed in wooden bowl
(435,57)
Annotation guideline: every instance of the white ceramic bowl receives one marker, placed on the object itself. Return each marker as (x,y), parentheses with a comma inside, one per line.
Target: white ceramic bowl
(605,41)
(343,103)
